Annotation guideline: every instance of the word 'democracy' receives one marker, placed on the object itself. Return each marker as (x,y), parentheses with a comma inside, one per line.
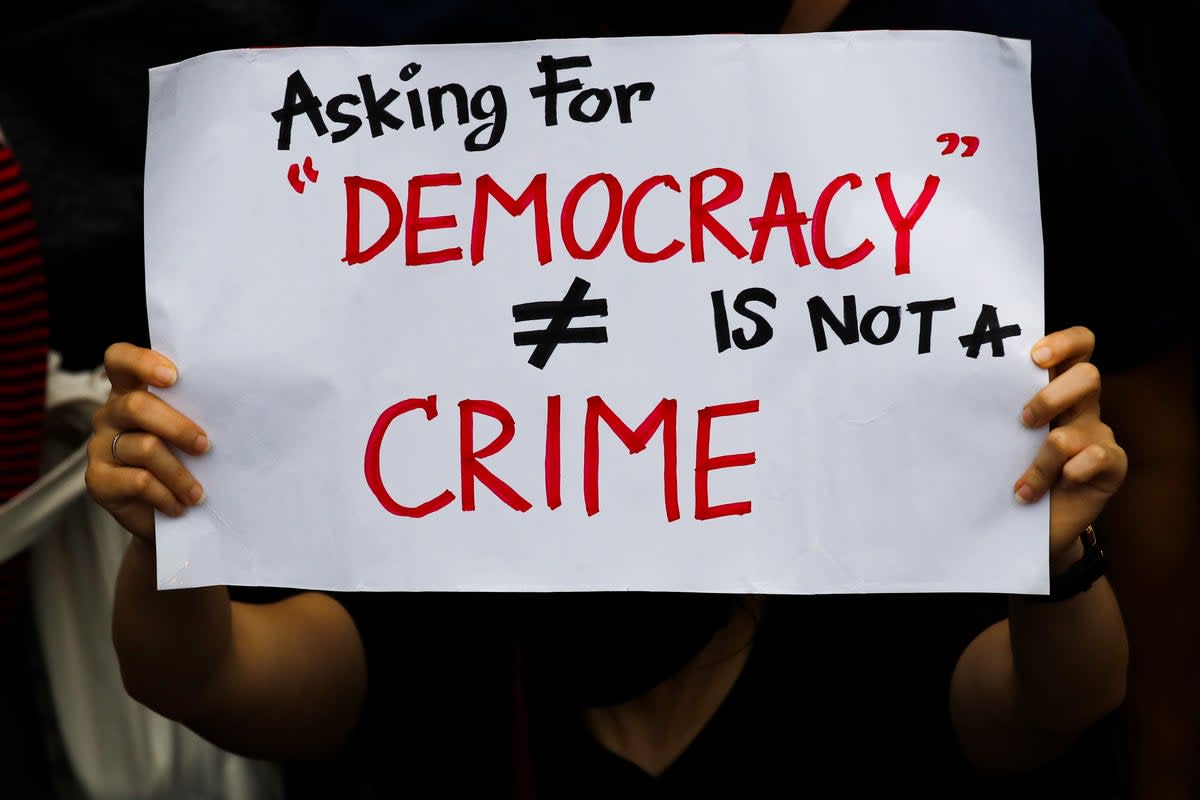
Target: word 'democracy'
(779,211)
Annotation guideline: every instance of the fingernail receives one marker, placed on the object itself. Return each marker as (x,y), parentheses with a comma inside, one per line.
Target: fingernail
(202,444)
(1027,416)
(1024,495)
(1042,355)
(164,375)
(177,510)
(196,494)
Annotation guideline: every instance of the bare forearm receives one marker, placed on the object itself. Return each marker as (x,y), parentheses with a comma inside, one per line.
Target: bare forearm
(293,683)
(279,680)
(1027,686)
(169,643)
(1070,658)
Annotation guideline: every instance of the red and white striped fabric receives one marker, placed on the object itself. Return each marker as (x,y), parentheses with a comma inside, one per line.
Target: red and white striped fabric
(24,342)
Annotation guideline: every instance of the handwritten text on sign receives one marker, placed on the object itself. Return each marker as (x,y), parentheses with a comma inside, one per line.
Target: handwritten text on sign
(701,313)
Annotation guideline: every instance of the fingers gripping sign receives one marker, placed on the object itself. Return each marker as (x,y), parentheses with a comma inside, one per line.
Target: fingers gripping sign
(131,467)
(1080,465)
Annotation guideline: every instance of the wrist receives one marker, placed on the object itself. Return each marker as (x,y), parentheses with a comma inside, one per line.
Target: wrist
(1073,571)
(1063,560)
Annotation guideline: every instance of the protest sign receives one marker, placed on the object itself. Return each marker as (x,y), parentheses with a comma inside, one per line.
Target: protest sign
(713,313)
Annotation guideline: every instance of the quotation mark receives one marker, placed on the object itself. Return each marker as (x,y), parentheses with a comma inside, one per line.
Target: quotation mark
(951,140)
(309,172)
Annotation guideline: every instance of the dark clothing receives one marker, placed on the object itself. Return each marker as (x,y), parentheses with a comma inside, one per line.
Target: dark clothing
(819,704)
(848,692)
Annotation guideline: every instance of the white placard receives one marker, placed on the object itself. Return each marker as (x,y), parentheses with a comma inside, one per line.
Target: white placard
(426,300)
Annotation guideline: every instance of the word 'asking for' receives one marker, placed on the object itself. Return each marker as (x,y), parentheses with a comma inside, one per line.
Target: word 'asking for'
(344,114)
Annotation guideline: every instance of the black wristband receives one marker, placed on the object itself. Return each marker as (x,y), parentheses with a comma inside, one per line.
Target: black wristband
(1082,574)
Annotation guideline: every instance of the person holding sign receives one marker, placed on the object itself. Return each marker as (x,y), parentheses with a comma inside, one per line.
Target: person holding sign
(584,714)
(577,695)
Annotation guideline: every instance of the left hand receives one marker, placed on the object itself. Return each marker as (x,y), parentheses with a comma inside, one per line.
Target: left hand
(1080,463)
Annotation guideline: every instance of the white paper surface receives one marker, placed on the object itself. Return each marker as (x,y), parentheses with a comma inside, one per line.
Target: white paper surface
(876,467)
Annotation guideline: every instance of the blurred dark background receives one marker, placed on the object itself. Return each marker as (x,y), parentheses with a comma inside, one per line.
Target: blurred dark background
(1160,35)
(73,104)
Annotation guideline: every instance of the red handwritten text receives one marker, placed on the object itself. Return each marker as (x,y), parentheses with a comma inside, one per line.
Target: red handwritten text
(661,421)
(709,193)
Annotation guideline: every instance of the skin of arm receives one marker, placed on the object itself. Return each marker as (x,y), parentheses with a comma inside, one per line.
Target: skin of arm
(283,680)
(1029,685)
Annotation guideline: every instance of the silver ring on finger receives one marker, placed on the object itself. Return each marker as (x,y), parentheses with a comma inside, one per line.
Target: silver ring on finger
(116,457)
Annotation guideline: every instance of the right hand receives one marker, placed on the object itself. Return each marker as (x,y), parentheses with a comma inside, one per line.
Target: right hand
(146,474)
